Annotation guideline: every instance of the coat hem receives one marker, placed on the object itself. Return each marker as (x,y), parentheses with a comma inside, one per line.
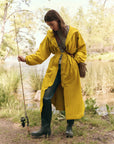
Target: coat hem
(74,117)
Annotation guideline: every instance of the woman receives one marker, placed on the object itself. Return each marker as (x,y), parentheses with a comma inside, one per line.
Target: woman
(61,85)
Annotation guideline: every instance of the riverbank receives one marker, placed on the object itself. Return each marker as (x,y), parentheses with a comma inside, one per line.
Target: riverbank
(91,129)
(97,89)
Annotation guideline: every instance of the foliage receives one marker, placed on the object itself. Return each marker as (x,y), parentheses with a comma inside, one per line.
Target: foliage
(9,80)
(40,16)
(36,80)
(109,109)
(91,106)
(95,25)
(25,28)
(3,95)
(99,78)
(11,108)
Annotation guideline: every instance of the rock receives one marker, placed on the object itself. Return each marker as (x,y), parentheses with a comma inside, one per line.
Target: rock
(37,96)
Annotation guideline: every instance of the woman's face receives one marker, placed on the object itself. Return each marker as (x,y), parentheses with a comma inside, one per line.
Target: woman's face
(53,25)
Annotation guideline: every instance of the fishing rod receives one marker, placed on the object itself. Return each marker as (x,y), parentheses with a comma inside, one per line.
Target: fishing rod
(23,119)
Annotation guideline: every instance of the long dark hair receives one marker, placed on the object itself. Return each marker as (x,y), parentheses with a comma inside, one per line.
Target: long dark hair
(54,15)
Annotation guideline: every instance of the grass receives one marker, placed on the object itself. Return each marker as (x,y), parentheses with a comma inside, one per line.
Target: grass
(91,124)
(9,80)
(99,78)
(36,79)
(101,57)
(15,111)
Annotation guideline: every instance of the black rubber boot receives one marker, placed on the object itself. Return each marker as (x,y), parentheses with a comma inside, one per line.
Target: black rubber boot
(46,115)
(69,132)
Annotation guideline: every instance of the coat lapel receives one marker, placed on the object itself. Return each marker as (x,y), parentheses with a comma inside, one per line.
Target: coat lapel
(68,38)
(52,38)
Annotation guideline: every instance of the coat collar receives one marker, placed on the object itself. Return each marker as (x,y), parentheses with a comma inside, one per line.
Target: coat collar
(71,31)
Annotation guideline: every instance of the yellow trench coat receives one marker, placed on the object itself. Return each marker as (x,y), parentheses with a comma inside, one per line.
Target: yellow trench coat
(68,95)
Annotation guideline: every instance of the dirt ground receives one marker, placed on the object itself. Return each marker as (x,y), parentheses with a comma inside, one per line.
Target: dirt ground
(12,133)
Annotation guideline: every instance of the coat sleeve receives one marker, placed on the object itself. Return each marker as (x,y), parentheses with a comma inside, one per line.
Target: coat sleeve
(81,53)
(41,54)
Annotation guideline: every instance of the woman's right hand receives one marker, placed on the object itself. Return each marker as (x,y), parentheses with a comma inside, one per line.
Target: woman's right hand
(21,58)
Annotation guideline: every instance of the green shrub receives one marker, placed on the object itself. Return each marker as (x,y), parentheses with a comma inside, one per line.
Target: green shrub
(2,69)
(3,95)
(91,106)
(36,80)
(9,80)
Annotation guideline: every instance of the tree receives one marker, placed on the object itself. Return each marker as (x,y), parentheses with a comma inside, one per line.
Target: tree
(40,17)
(99,26)
(26,26)
(3,24)
(96,26)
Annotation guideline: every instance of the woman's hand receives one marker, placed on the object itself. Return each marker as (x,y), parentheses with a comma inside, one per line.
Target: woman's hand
(21,58)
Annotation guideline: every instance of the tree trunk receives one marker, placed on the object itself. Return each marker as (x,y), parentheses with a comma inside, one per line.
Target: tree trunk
(104,3)
(3,25)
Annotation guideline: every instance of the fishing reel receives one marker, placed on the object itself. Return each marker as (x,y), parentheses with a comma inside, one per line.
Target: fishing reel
(23,121)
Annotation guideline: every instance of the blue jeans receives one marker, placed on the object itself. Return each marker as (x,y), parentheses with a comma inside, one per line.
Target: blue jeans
(49,93)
